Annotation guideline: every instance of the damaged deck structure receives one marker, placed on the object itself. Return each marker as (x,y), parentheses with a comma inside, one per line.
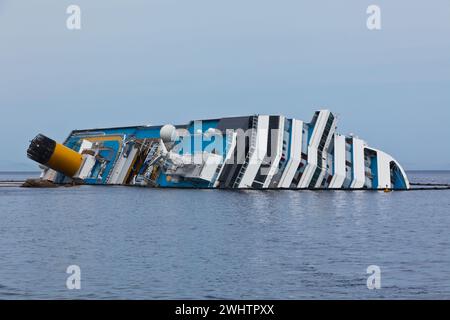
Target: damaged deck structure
(256,152)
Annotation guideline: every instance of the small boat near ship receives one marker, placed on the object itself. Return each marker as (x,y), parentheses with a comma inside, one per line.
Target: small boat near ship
(248,152)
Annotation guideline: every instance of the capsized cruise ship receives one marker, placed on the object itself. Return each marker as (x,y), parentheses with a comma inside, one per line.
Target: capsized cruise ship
(253,152)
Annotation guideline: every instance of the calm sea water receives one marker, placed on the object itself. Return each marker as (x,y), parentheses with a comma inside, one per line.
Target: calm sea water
(134,243)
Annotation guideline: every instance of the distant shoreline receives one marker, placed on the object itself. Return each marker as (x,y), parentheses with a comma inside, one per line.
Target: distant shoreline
(15,171)
(431,170)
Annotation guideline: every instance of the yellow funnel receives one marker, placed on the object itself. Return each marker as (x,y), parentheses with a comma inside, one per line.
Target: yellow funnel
(54,155)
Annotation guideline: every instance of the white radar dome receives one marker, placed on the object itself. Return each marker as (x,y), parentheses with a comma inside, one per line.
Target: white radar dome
(168,133)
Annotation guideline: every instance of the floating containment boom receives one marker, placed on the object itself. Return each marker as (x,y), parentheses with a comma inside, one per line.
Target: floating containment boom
(256,152)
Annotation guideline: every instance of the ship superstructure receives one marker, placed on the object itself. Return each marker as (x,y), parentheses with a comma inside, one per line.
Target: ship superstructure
(257,152)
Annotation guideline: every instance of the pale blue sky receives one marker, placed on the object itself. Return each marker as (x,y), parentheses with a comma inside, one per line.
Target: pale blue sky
(164,61)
